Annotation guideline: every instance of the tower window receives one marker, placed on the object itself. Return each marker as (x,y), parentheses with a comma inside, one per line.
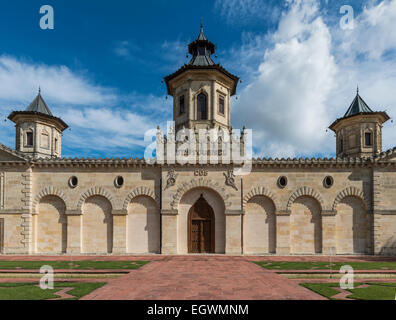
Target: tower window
(368,139)
(29,139)
(181,105)
(202,109)
(221,104)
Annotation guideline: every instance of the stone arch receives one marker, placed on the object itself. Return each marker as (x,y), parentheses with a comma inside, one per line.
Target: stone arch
(350,192)
(197,183)
(97,225)
(143,225)
(306,226)
(140,191)
(95,191)
(47,191)
(259,225)
(259,191)
(305,191)
(50,225)
(352,226)
(187,201)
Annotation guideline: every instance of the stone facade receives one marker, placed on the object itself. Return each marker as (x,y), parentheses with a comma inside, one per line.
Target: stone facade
(54,205)
(42,214)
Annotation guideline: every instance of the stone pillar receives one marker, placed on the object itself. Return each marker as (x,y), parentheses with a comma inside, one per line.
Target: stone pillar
(233,231)
(375,236)
(26,217)
(329,232)
(74,232)
(169,232)
(283,232)
(120,231)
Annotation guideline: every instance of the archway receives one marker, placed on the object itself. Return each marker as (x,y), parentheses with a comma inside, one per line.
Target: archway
(143,226)
(187,201)
(201,227)
(305,226)
(97,225)
(51,230)
(259,226)
(351,226)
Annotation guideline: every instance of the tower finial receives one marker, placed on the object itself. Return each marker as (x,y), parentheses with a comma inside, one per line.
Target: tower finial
(39,90)
(201,24)
(357,90)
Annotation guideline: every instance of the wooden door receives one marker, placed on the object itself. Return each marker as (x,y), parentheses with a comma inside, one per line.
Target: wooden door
(206,236)
(196,236)
(201,224)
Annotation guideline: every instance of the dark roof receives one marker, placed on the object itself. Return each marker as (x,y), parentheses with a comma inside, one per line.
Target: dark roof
(194,67)
(201,34)
(39,105)
(358,106)
(201,50)
(201,61)
(39,108)
(49,117)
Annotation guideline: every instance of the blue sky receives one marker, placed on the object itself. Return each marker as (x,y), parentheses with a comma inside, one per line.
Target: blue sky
(101,68)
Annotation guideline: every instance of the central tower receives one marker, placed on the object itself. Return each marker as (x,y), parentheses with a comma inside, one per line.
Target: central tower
(201,89)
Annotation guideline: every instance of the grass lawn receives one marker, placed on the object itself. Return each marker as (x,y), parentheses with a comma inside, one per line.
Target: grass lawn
(375,291)
(31,291)
(287,265)
(75,265)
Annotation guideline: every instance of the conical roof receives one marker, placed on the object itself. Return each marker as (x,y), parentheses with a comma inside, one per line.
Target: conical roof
(39,105)
(358,106)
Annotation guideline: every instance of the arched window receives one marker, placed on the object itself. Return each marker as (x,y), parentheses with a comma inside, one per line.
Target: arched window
(202,109)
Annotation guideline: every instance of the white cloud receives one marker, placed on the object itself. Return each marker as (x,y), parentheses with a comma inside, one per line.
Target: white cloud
(307,74)
(101,120)
(21,79)
(285,104)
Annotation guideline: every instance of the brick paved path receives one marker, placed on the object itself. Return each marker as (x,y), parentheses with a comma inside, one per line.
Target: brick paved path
(202,278)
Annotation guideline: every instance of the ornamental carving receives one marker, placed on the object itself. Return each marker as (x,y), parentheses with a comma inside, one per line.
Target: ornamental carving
(171,180)
(230,179)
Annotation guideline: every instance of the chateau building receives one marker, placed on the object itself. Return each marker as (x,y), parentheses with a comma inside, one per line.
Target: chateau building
(55,205)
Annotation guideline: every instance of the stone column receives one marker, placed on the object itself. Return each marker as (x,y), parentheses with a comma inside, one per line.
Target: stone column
(283,232)
(329,232)
(169,232)
(233,231)
(26,217)
(74,231)
(376,219)
(120,231)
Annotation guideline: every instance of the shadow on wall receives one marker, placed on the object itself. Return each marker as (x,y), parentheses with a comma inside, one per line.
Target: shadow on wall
(389,248)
